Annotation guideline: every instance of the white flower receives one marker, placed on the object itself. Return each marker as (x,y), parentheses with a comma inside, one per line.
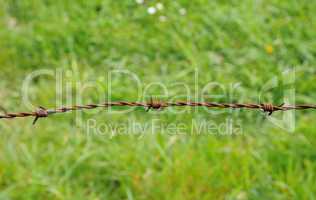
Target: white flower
(151,10)
(159,6)
(12,22)
(242,196)
(140,1)
(183,11)
(162,18)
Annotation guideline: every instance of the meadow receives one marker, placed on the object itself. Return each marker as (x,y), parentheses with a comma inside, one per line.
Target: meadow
(64,52)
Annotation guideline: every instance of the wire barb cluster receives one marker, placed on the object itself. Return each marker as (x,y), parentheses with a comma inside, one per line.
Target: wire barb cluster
(269,108)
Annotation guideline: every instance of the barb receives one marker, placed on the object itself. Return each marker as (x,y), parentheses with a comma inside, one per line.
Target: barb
(155,104)
(41,112)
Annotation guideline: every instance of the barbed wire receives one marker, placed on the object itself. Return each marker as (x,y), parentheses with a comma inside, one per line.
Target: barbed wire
(42,112)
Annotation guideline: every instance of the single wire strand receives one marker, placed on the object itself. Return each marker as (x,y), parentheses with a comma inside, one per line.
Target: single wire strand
(155,105)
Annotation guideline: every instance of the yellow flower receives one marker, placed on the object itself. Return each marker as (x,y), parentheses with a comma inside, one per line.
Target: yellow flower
(269,49)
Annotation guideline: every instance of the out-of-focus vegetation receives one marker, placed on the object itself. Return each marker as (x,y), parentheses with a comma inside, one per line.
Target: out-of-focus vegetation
(240,46)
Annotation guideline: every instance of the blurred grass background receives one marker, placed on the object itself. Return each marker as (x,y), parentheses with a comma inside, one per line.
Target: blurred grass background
(228,42)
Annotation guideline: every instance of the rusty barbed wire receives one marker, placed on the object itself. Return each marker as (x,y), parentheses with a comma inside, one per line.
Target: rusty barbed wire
(41,112)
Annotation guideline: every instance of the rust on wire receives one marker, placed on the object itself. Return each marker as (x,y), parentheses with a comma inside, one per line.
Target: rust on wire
(41,112)
(155,105)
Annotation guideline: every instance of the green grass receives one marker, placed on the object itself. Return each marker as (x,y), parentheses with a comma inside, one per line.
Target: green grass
(228,42)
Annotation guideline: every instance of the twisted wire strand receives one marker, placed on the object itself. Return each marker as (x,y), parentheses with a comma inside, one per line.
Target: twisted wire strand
(155,105)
